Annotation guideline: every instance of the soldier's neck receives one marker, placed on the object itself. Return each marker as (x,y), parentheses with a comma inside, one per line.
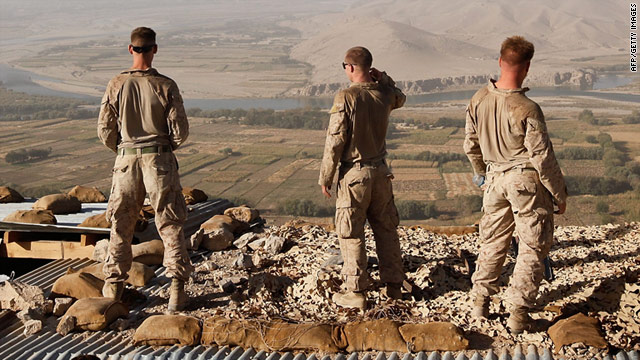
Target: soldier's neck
(508,83)
(362,78)
(140,64)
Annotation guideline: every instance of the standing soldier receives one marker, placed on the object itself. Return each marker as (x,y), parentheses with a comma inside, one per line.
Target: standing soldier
(356,140)
(507,141)
(142,119)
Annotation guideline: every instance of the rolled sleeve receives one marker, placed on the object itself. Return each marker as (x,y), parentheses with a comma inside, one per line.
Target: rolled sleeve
(335,142)
(177,118)
(108,121)
(472,144)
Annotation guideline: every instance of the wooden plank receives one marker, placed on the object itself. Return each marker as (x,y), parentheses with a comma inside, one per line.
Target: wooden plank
(11,236)
(90,239)
(46,249)
(47,228)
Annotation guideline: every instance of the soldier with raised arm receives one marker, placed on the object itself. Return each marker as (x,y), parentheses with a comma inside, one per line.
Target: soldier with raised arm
(356,142)
(507,142)
(142,120)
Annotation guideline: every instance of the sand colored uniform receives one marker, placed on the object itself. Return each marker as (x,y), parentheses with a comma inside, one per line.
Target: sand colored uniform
(356,141)
(507,140)
(142,119)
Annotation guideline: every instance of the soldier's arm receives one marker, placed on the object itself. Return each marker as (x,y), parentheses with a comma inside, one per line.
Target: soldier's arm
(336,138)
(472,145)
(176,118)
(108,121)
(542,157)
(386,80)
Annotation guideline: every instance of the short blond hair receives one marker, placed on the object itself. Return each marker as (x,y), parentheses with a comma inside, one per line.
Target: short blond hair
(516,50)
(359,55)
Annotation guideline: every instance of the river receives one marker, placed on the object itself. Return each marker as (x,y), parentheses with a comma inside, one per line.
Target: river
(20,80)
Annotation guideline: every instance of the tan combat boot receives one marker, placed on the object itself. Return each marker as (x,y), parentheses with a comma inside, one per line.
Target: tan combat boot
(351,299)
(113,290)
(519,321)
(393,291)
(480,307)
(177,296)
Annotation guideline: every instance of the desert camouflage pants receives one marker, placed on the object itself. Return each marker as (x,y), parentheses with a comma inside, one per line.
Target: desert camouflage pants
(133,177)
(514,200)
(365,193)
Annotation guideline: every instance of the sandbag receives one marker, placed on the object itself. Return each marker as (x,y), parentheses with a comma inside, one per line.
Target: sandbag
(219,222)
(139,274)
(578,328)
(148,253)
(59,204)
(147,212)
(216,240)
(96,221)
(32,217)
(96,313)
(193,196)
(269,336)
(243,213)
(159,330)
(435,336)
(8,195)
(77,285)
(88,194)
(380,335)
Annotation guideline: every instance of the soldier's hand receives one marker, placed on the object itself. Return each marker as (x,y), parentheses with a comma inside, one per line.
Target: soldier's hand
(375,74)
(325,191)
(561,208)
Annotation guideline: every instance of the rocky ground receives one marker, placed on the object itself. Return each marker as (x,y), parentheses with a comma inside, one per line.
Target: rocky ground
(596,272)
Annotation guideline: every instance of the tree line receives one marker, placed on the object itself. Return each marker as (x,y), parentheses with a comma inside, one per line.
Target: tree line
(16,106)
(302,118)
(24,155)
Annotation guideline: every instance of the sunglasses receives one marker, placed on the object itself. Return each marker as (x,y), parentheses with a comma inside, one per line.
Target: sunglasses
(344,65)
(142,49)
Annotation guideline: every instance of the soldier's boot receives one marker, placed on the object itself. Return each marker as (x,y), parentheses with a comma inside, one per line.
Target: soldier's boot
(113,290)
(480,307)
(178,298)
(519,321)
(351,299)
(393,291)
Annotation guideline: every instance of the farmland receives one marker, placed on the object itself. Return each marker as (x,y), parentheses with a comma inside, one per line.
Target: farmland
(265,165)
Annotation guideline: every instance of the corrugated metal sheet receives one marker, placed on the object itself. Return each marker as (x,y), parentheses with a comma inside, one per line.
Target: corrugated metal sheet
(88,209)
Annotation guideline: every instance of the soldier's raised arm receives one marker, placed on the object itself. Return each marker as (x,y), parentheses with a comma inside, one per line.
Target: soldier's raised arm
(176,118)
(471,143)
(337,134)
(382,78)
(541,155)
(108,119)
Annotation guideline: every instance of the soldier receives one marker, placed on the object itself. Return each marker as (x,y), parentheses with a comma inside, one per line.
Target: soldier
(507,141)
(142,119)
(356,140)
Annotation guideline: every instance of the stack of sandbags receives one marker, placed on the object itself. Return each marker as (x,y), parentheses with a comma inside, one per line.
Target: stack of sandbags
(77,285)
(219,232)
(100,221)
(193,196)
(139,274)
(374,335)
(59,204)
(32,217)
(8,195)
(148,253)
(88,194)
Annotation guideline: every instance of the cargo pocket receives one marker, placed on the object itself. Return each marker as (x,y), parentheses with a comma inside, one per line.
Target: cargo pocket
(350,222)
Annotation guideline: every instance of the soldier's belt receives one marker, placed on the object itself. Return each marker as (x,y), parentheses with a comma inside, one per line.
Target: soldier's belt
(362,164)
(144,150)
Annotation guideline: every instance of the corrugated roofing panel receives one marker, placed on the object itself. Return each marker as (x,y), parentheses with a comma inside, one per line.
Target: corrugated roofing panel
(88,209)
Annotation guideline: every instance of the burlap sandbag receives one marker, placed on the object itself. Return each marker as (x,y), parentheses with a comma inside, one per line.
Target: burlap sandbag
(8,195)
(269,336)
(77,285)
(435,336)
(147,212)
(243,213)
(32,217)
(148,253)
(96,221)
(219,222)
(88,194)
(59,204)
(96,313)
(139,274)
(159,330)
(379,335)
(193,196)
(577,329)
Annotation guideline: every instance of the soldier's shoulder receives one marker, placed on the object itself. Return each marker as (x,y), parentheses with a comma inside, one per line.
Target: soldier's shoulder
(117,80)
(164,79)
(524,107)
(479,95)
(342,98)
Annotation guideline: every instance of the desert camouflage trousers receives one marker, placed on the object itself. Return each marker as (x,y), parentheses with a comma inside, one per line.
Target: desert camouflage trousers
(133,177)
(514,200)
(365,193)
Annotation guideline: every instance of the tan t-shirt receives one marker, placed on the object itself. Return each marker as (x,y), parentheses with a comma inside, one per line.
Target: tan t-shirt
(358,125)
(142,108)
(505,129)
